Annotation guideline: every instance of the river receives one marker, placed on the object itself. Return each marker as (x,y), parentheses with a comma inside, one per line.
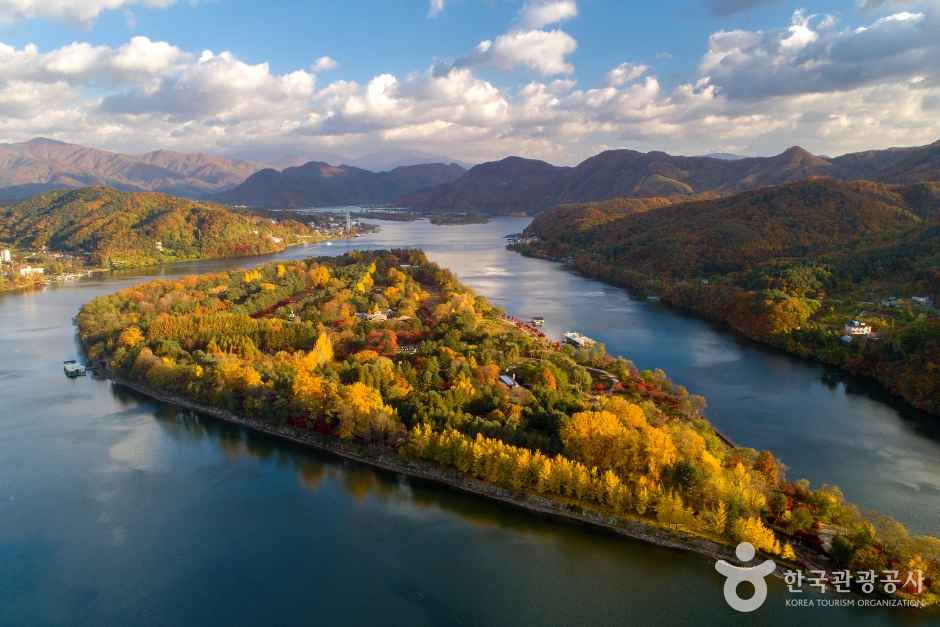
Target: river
(118,510)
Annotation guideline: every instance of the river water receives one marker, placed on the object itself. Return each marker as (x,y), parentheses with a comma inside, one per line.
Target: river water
(117,510)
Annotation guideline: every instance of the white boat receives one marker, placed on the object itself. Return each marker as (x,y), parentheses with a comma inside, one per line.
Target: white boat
(73,369)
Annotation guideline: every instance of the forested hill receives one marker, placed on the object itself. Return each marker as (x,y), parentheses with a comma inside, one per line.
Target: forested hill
(808,218)
(125,229)
(321,184)
(788,265)
(507,186)
(516,184)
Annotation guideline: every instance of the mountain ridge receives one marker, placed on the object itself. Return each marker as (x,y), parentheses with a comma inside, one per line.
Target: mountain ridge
(47,162)
(317,183)
(490,187)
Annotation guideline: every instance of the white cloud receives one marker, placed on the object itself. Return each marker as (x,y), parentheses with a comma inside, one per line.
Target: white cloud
(544,52)
(528,45)
(812,55)
(541,13)
(324,64)
(435,8)
(831,88)
(625,73)
(83,11)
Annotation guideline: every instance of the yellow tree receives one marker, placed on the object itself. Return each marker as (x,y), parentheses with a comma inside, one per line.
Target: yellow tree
(362,413)
(321,353)
(753,530)
(319,276)
(308,391)
(131,337)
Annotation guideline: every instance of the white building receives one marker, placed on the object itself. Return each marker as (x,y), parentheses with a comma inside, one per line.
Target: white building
(854,327)
(576,339)
(30,271)
(379,316)
(6,256)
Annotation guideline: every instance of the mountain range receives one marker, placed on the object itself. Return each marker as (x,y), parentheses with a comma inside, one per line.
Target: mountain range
(515,184)
(42,164)
(320,184)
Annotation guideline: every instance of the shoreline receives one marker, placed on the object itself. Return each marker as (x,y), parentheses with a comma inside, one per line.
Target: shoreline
(91,272)
(388,460)
(884,386)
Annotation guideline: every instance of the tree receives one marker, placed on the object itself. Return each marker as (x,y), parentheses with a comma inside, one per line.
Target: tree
(718,518)
(753,530)
(321,353)
(363,414)
(319,276)
(131,337)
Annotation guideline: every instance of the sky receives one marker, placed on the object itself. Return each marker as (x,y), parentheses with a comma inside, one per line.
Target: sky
(474,80)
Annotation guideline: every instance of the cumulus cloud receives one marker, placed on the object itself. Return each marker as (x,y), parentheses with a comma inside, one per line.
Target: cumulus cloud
(813,81)
(541,13)
(83,11)
(324,64)
(542,51)
(624,73)
(528,44)
(813,55)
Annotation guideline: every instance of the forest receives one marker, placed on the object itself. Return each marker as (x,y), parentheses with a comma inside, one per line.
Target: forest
(113,229)
(789,266)
(389,351)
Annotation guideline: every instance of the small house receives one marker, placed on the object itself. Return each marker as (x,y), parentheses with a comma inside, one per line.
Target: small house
(508,381)
(856,328)
(576,339)
(31,271)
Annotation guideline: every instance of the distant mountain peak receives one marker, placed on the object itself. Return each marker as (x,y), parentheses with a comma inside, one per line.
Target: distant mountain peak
(39,141)
(797,151)
(43,163)
(317,183)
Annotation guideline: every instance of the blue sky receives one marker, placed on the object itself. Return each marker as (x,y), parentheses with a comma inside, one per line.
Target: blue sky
(398,37)
(747,76)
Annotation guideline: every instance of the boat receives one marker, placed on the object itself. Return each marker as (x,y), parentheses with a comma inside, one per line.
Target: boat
(576,339)
(73,369)
(653,298)
(329,243)
(538,321)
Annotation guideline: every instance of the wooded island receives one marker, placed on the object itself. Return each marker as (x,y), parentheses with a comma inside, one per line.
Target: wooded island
(389,352)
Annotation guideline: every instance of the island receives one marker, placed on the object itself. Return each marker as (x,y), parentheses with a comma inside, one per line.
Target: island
(384,357)
(62,234)
(846,273)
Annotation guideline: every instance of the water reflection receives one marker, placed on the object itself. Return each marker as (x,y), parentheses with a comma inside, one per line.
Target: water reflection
(393,504)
